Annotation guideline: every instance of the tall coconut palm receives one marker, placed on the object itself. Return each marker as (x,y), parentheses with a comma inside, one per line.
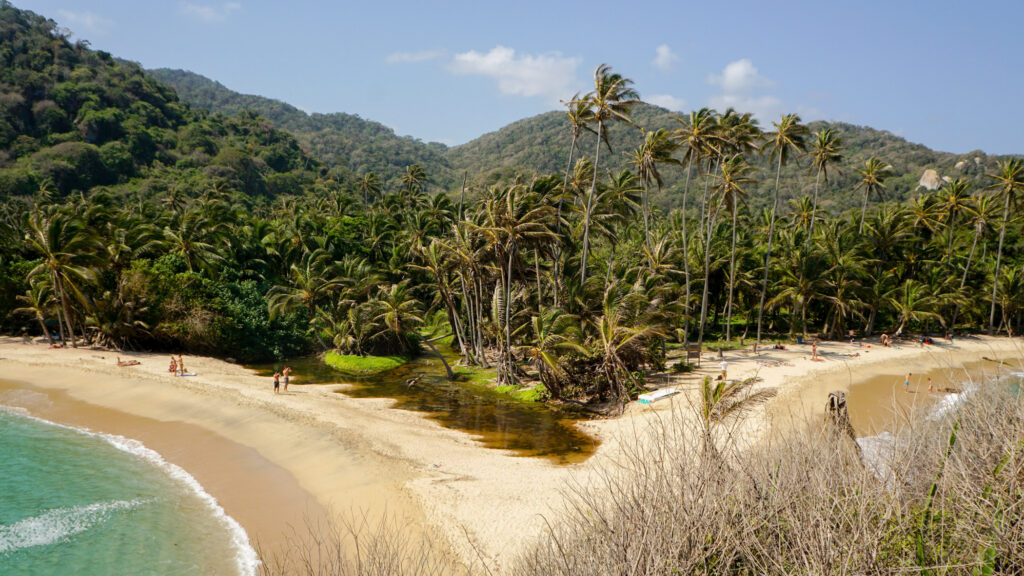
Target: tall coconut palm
(696,134)
(872,182)
(612,99)
(369,185)
(657,148)
(1008,182)
(731,184)
(310,284)
(826,150)
(578,112)
(981,213)
(783,143)
(953,200)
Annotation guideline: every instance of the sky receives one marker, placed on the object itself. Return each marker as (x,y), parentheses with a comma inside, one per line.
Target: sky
(944,74)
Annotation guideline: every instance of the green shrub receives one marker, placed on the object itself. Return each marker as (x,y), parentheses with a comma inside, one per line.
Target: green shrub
(362,365)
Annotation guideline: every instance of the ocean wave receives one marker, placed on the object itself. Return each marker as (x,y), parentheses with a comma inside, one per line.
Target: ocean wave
(58,524)
(245,556)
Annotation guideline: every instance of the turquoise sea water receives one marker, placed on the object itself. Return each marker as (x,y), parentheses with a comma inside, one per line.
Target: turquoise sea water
(74,502)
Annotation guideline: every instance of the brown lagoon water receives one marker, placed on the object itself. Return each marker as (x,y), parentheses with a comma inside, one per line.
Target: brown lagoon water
(494,419)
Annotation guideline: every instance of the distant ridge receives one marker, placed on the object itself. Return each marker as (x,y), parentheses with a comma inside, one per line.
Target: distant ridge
(539,145)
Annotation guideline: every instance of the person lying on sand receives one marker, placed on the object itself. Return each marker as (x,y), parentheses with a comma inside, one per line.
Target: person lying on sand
(779,346)
(123,363)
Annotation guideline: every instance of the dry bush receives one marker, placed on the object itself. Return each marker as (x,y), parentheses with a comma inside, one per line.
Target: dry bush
(354,545)
(942,497)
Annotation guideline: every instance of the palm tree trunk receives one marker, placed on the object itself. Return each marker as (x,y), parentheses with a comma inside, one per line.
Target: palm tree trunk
(590,207)
(863,210)
(647,217)
(67,316)
(732,274)
(768,254)
(42,324)
(814,211)
(536,267)
(556,278)
(963,279)
(447,369)
(686,255)
(999,257)
(712,217)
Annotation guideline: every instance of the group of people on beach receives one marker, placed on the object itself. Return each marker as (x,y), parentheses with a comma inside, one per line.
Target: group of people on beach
(177,367)
(906,384)
(285,374)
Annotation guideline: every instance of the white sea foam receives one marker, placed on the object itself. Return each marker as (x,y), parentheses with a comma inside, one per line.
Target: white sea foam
(245,556)
(58,524)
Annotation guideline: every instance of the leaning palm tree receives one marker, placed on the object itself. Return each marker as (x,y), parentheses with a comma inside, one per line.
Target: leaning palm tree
(656,149)
(612,99)
(1008,183)
(68,251)
(826,150)
(724,401)
(785,142)
(552,334)
(36,301)
(399,314)
(872,182)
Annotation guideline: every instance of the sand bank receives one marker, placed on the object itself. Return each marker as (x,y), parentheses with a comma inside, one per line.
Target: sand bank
(359,454)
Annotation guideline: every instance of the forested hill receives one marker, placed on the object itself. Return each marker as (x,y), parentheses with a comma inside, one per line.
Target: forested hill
(539,145)
(345,141)
(73,119)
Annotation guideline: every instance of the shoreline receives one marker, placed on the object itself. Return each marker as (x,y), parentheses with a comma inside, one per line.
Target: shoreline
(349,454)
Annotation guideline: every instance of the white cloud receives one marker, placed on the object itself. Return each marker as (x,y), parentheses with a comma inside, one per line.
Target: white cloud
(210,13)
(666,101)
(413,57)
(739,83)
(85,22)
(552,76)
(664,58)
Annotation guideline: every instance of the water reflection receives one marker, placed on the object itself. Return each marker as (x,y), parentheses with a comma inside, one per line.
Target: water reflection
(494,419)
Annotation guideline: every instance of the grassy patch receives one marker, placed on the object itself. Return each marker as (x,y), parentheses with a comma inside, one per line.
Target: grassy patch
(475,374)
(362,365)
(531,394)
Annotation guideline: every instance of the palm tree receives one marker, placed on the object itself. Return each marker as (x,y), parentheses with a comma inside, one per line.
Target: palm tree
(912,304)
(369,185)
(731,182)
(656,149)
(615,339)
(311,282)
(37,301)
(826,150)
(725,401)
(399,313)
(578,112)
(697,132)
(872,181)
(67,250)
(611,99)
(553,333)
(1008,183)
(982,213)
(953,200)
(785,142)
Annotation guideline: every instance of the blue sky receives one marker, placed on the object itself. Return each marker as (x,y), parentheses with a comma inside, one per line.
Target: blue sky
(945,74)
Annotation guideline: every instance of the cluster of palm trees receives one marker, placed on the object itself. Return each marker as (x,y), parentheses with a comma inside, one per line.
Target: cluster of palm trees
(571,279)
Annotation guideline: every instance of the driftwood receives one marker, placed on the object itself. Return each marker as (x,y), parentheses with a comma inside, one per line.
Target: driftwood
(837,416)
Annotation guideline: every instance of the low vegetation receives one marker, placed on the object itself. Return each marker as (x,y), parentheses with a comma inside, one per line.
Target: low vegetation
(362,365)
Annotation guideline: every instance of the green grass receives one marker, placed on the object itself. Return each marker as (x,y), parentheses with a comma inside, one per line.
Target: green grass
(475,374)
(363,365)
(531,394)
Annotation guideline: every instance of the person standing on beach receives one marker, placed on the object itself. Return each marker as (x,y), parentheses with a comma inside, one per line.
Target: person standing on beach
(906,383)
(814,351)
(725,368)
(285,373)
(931,386)
(173,368)
(277,382)
(181,365)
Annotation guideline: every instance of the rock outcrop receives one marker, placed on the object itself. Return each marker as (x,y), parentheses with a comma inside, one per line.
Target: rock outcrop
(930,180)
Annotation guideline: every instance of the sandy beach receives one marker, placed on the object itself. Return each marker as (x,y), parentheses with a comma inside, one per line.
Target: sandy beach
(273,460)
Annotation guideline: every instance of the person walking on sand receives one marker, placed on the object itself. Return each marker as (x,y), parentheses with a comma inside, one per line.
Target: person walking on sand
(277,382)
(287,371)
(906,383)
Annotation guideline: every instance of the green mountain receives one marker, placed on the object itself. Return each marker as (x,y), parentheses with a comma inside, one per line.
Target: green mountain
(539,145)
(73,119)
(344,141)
